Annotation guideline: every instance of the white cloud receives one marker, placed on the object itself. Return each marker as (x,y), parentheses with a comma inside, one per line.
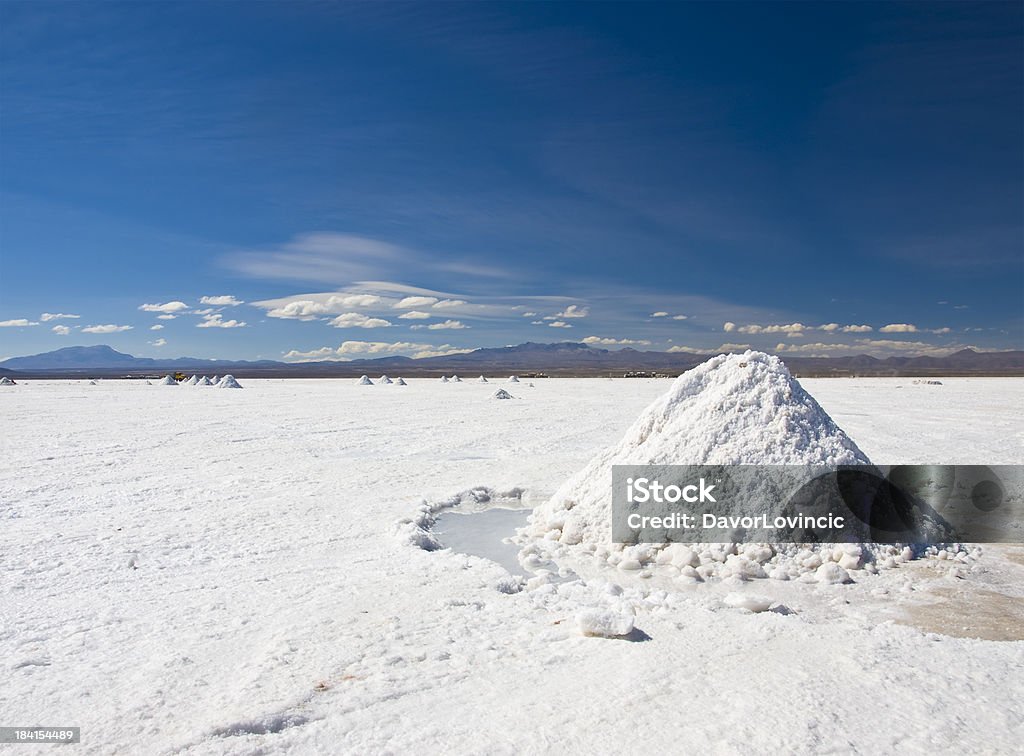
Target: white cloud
(17,323)
(158,342)
(536,322)
(156,327)
(728,327)
(414,315)
(446,303)
(217,321)
(224,300)
(857,329)
(875,347)
(358,320)
(680,317)
(448,325)
(659,314)
(898,328)
(204,311)
(942,330)
(722,349)
(572,311)
(173,306)
(605,341)
(559,324)
(57,316)
(61,330)
(790,329)
(108,328)
(829,327)
(355,349)
(529,314)
(166,317)
(408,302)
(311,309)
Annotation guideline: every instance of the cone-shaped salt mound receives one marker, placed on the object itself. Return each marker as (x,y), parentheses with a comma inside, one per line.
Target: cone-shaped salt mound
(444,379)
(456,379)
(732,409)
(192,381)
(204,381)
(215,380)
(93,383)
(501,394)
(364,381)
(401,382)
(513,379)
(5,381)
(167,380)
(481,379)
(385,379)
(228,381)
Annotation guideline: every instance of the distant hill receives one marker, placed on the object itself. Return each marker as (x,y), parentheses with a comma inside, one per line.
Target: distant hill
(564,358)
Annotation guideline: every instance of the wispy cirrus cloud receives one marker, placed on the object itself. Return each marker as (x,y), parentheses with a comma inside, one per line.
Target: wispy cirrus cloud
(224,300)
(47,316)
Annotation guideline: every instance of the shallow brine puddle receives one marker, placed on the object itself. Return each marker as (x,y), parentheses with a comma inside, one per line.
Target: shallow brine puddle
(483,534)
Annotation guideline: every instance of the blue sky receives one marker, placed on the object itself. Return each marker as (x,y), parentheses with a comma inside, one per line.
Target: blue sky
(367,179)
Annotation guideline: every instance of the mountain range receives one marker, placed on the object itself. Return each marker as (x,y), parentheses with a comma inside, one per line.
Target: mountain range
(564,358)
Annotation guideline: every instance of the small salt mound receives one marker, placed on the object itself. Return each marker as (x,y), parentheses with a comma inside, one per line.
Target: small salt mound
(149,383)
(167,380)
(481,379)
(192,381)
(215,380)
(92,383)
(204,381)
(732,409)
(384,379)
(6,381)
(456,379)
(228,381)
(604,624)
(502,394)
(513,379)
(748,602)
(364,381)
(444,379)
(401,382)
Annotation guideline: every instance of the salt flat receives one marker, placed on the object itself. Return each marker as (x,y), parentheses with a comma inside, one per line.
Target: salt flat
(191,569)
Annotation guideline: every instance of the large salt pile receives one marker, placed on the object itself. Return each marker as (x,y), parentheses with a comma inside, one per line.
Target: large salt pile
(192,381)
(444,379)
(456,379)
(401,382)
(481,379)
(228,381)
(364,381)
(6,381)
(167,380)
(733,409)
(384,379)
(513,379)
(204,381)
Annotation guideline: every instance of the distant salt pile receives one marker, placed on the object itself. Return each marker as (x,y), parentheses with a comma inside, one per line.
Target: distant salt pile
(384,379)
(502,394)
(228,381)
(456,379)
(732,409)
(364,381)
(93,383)
(149,383)
(167,380)
(204,381)
(192,381)
(444,379)
(481,379)
(6,381)
(401,382)
(513,379)
(215,380)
